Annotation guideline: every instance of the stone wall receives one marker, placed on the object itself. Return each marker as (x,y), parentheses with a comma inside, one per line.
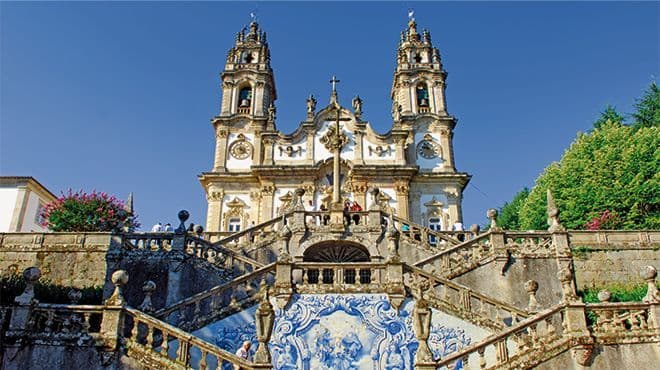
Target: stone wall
(28,357)
(68,259)
(610,357)
(509,286)
(599,267)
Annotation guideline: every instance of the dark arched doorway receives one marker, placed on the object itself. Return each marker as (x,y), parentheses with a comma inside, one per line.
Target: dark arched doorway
(336,252)
(333,252)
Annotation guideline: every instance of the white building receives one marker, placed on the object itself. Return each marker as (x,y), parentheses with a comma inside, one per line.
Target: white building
(21,201)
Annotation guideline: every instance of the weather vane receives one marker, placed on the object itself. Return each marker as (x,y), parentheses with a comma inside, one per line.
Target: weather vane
(411,14)
(253,15)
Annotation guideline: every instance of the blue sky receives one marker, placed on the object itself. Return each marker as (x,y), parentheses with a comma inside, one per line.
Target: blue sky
(118,96)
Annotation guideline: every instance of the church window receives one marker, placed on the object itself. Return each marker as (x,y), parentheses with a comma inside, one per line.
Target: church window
(418,58)
(422,95)
(247,57)
(234,225)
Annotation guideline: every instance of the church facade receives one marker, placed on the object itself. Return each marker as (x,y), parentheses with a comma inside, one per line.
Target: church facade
(256,168)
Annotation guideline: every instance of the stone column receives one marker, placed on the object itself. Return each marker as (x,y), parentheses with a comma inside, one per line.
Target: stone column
(264,318)
(402,191)
(447,150)
(359,142)
(19,209)
(400,151)
(267,193)
(283,269)
(220,161)
(422,327)
(268,151)
(309,145)
(454,204)
(258,99)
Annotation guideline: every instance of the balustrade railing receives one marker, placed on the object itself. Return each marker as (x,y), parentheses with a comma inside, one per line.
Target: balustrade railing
(147,241)
(462,300)
(316,277)
(529,243)
(610,322)
(148,337)
(460,258)
(219,301)
(434,239)
(533,335)
(219,255)
(66,323)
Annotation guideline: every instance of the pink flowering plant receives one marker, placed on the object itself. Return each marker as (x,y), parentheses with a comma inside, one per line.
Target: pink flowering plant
(80,211)
(606,220)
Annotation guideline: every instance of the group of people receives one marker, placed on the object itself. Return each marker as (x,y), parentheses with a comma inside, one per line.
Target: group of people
(158,228)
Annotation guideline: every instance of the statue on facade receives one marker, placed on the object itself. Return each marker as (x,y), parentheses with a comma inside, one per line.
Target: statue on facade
(311,105)
(357,106)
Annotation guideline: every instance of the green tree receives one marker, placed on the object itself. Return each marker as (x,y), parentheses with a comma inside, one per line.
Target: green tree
(615,168)
(509,213)
(609,114)
(648,108)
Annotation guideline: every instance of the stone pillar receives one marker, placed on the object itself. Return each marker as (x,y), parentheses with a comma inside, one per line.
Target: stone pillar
(422,327)
(400,151)
(267,193)
(268,151)
(454,205)
(309,145)
(264,318)
(402,191)
(219,163)
(21,313)
(447,150)
(113,317)
(283,269)
(176,256)
(359,142)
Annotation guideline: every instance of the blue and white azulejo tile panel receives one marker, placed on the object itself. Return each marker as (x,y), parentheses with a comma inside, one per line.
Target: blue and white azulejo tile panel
(344,332)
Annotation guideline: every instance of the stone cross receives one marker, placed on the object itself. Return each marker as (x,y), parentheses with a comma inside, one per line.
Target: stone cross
(336,144)
(334,82)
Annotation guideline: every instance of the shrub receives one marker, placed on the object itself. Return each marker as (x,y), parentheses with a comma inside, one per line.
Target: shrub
(79,211)
(45,291)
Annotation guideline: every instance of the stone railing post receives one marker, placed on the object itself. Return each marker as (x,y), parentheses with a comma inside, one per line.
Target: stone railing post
(21,314)
(113,315)
(531,286)
(652,296)
(175,259)
(283,269)
(264,318)
(148,289)
(422,328)
(575,320)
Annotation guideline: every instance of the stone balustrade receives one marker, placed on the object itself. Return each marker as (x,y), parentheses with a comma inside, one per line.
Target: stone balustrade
(148,241)
(461,300)
(432,239)
(149,340)
(351,277)
(529,339)
(623,322)
(461,258)
(220,301)
(615,239)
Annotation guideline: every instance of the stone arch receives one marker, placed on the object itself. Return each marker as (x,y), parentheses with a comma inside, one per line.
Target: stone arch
(336,251)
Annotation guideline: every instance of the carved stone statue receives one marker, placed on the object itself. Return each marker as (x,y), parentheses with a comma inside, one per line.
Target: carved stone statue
(311,105)
(357,105)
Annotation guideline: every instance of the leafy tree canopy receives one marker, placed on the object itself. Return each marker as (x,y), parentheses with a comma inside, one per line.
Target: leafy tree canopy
(509,213)
(609,114)
(648,108)
(615,168)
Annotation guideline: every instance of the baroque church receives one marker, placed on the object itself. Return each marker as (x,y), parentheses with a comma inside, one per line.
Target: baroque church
(332,248)
(257,168)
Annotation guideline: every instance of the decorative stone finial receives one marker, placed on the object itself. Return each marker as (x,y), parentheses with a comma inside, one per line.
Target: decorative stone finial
(492,216)
(148,289)
(604,296)
(298,204)
(183,217)
(475,229)
(652,295)
(199,230)
(531,286)
(553,214)
(119,278)
(264,319)
(31,276)
(566,278)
